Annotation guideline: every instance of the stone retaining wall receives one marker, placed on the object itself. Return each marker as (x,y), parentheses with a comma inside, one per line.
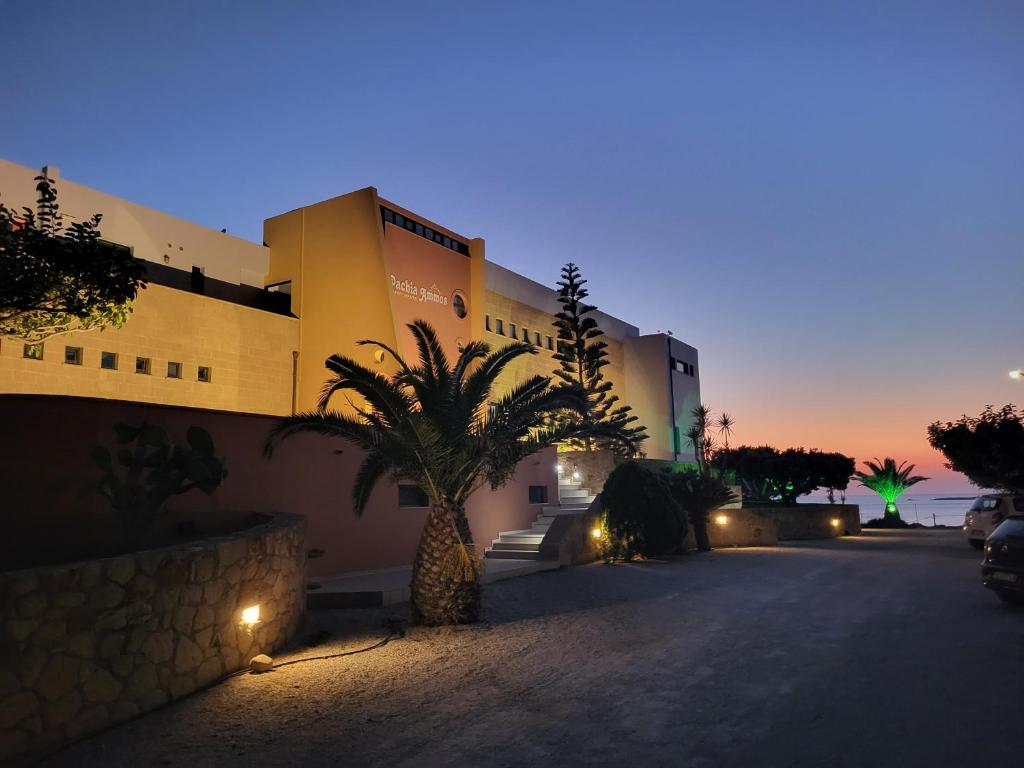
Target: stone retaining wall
(89,644)
(812,521)
(732,527)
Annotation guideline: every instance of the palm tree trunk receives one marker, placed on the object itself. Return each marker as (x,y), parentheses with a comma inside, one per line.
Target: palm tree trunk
(445,585)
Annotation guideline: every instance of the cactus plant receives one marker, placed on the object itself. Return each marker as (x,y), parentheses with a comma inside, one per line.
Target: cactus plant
(149,468)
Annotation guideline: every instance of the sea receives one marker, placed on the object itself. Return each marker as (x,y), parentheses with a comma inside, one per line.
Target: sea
(927,509)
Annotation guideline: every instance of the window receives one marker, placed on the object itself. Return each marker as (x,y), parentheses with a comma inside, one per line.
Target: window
(683,367)
(536,338)
(551,343)
(459,305)
(487,322)
(538,494)
(422,230)
(173,370)
(73,355)
(526,335)
(512,330)
(499,327)
(142,364)
(204,373)
(108,360)
(412,496)
(33,351)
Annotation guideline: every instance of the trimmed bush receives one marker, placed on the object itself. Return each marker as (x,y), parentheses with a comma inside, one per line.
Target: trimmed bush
(641,514)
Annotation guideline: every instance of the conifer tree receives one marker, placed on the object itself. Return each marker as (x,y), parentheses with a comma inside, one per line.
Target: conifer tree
(581,356)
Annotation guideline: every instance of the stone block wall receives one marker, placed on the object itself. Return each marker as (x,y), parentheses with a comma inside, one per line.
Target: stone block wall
(89,644)
(732,527)
(593,466)
(812,521)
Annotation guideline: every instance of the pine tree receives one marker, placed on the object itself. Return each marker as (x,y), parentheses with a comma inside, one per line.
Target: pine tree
(582,355)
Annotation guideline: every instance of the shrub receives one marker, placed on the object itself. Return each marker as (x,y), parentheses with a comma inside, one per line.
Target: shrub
(641,514)
(154,469)
(770,475)
(697,495)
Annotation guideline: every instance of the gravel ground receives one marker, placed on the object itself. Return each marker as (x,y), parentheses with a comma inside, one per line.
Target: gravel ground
(879,650)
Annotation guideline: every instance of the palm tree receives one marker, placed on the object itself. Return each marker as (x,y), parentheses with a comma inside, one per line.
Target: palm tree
(725,424)
(888,481)
(436,425)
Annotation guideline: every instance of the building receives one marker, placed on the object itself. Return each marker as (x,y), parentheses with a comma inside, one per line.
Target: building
(232,325)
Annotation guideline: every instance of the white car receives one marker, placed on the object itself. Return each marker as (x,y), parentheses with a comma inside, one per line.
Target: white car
(987,512)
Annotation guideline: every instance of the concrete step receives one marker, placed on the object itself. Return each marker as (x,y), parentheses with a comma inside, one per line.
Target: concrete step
(568,484)
(512,554)
(525,546)
(573,493)
(521,537)
(540,528)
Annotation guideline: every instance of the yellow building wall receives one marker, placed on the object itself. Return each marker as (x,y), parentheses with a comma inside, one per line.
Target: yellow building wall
(248,351)
(543,363)
(335,254)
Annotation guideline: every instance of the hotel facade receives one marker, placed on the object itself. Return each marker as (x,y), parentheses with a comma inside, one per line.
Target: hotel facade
(228,324)
(229,333)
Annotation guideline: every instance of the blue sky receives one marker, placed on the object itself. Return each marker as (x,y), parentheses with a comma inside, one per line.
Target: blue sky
(826,198)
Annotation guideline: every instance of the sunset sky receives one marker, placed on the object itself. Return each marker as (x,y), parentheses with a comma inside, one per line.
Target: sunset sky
(826,199)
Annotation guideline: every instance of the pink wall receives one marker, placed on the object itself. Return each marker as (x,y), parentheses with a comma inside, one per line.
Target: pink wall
(46,473)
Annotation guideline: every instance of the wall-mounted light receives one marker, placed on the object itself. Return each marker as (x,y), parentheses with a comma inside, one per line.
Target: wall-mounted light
(595,532)
(722,519)
(834,522)
(251,615)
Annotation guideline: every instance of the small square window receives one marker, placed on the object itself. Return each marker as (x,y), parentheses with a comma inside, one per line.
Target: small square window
(447,242)
(409,225)
(399,219)
(538,494)
(73,355)
(437,237)
(536,338)
(487,322)
(389,216)
(173,370)
(142,364)
(428,233)
(108,360)
(412,496)
(512,330)
(526,335)
(33,351)
(499,327)
(419,229)
(550,343)
(204,373)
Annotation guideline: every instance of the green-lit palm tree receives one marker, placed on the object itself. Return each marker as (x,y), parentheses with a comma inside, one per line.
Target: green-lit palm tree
(434,424)
(888,481)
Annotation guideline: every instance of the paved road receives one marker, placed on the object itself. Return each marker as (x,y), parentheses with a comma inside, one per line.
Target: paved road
(881,650)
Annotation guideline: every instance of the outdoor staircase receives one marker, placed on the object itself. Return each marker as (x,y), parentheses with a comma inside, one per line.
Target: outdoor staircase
(525,545)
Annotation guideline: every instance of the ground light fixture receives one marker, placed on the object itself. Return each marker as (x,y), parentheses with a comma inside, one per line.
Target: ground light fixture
(251,615)
(722,519)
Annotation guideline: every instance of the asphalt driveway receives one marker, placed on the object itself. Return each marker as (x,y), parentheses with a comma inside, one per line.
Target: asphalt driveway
(879,650)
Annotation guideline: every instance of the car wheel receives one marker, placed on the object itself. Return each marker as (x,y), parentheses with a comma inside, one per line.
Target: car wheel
(976,543)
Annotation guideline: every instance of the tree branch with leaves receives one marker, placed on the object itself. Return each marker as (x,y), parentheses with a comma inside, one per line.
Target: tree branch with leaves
(55,279)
